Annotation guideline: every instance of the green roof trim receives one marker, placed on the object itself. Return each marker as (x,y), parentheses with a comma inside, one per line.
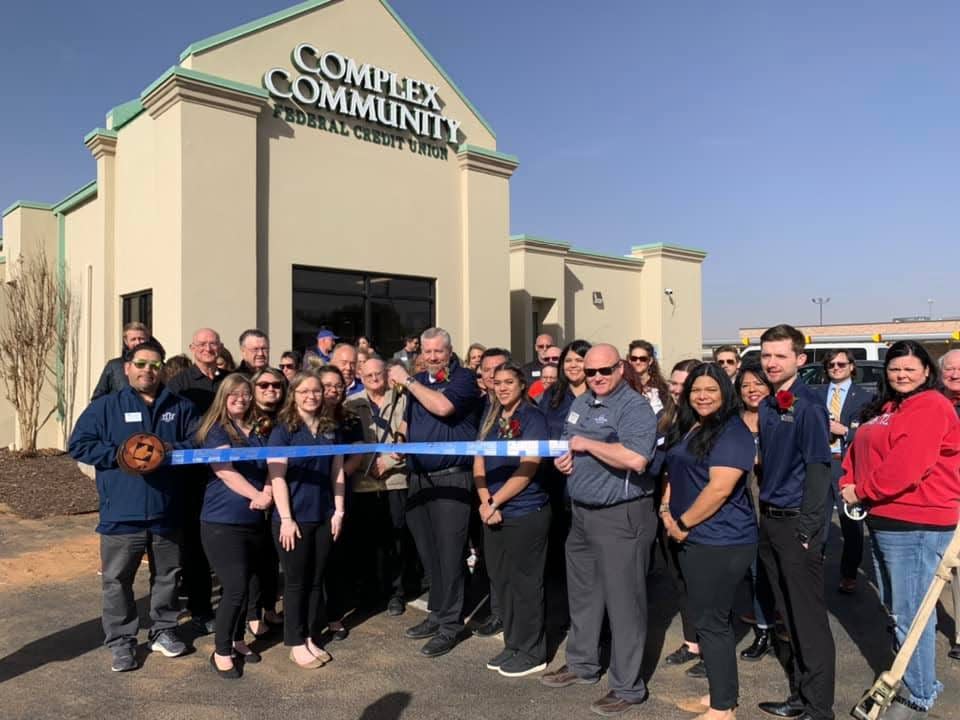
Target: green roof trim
(533,238)
(665,246)
(305,7)
(27,205)
(99,131)
(607,256)
(122,114)
(495,154)
(183,72)
(77,197)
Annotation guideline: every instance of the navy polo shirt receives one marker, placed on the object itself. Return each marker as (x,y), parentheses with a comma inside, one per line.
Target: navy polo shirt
(308,478)
(556,416)
(460,388)
(220,503)
(734,523)
(789,441)
(533,426)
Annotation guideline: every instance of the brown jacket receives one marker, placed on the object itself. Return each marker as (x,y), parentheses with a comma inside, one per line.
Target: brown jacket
(395,475)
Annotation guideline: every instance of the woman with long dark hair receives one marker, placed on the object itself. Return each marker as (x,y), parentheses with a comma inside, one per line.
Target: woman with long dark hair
(904,465)
(711,515)
(751,387)
(649,382)
(232,520)
(571,384)
(308,516)
(515,511)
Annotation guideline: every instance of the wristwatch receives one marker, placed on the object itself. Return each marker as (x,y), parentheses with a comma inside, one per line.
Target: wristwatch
(410,380)
(682,525)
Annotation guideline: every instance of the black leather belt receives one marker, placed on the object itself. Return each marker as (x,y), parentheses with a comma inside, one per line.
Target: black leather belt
(778,513)
(447,471)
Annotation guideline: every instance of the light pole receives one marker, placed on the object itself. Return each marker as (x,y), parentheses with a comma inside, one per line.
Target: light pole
(930,306)
(821,302)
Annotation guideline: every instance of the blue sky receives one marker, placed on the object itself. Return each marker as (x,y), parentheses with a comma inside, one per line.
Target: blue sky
(812,149)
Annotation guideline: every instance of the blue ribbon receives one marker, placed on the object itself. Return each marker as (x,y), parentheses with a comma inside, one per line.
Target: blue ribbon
(498,448)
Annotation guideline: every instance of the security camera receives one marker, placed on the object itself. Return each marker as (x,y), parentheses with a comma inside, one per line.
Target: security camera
(668,291)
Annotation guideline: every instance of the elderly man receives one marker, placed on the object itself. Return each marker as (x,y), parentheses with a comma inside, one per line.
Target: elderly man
(612,432)
(950,368)
(199,385)
(443,406)
(254,351)
(138,514)
(541,345)
(113,377)
(344,359)
(380,493)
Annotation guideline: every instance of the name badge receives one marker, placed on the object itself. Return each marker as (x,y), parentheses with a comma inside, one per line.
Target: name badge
(132,417)
(573,417)
(786,417)
(535,373)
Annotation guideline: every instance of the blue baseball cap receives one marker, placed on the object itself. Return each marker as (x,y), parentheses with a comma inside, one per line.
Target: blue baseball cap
(326,334)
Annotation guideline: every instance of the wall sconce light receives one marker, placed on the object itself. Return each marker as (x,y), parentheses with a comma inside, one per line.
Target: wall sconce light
(598,298)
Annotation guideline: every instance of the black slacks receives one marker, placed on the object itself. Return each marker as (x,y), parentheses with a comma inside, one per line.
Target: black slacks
(608,554)
(196,582)
(851,530)
(383,552)
(304,613)
(438,515)
(671,552)
(796,576)
(713,574)
(265,578)
(234,551)
(516,552)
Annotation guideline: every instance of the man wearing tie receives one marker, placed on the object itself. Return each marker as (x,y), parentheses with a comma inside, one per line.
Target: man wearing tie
(844,400)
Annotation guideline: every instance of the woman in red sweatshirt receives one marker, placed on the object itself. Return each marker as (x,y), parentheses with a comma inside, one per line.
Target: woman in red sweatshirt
(904,464)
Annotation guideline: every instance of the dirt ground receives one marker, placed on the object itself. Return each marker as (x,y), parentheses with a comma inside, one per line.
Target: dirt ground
(48,485)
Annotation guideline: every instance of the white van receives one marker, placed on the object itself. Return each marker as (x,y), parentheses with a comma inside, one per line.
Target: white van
(816,350)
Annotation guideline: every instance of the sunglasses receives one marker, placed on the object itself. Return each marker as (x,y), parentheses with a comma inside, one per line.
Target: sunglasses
(728,361)
(542,347)
(287,366)
(270,385)
(605,371)
(837,364)
(639,358)
(552,358)
(152,364)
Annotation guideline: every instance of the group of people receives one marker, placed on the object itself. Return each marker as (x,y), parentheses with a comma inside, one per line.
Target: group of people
(731,469)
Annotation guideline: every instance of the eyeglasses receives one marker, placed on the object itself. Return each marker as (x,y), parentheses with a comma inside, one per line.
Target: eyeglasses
(263,385)
(308,392)
(605,371)
(727,361)
(640,358)
(213,344)
(259,350)
(240,396)
(542,347)
(552,358)
(837,364)
(287,366)
(331,386)
(152,364)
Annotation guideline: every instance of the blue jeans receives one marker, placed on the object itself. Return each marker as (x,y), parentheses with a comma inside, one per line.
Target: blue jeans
(907,562)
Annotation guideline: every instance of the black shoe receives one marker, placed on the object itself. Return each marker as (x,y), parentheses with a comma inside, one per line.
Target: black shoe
(422,630)
(500,658)
(680,656)
(340,633)
(792,707)
(760,647)
(491,627)
(203,624)
(231,674)
(396,606)
(954,653)
(124,659)
(438,645)
(519,665)
(697,671)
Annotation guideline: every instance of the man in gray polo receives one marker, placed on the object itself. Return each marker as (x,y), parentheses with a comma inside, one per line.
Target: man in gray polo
(612,432)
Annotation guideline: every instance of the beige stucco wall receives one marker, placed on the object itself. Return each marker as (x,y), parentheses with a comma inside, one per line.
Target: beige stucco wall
(616,321)
(536,276)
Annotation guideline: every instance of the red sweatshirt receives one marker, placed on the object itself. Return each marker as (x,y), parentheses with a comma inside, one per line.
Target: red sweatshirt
(906,462)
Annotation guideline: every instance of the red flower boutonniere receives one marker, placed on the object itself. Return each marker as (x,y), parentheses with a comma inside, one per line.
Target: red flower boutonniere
(508,428)
(441,375)
(785,401)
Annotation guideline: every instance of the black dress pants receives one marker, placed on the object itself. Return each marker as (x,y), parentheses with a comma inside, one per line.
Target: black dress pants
(713,574)
(671,553)
(382,546)
(304,613)
(234,551)
(516,551)
(796,576)
(265,578)
(438,515)
(196,582)
(851,530)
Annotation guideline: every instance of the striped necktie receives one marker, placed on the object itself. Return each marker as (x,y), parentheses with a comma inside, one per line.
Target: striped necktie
(835,404)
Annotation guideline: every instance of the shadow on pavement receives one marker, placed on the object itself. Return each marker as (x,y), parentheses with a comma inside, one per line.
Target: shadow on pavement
(389,707)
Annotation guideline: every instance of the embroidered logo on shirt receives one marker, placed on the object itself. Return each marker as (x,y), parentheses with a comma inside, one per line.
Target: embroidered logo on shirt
(168,416)
(600,419)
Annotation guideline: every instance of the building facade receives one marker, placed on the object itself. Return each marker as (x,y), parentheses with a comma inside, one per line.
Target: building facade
(319,168)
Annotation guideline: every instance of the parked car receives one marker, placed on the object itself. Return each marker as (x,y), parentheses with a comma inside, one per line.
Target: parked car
(869,374)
